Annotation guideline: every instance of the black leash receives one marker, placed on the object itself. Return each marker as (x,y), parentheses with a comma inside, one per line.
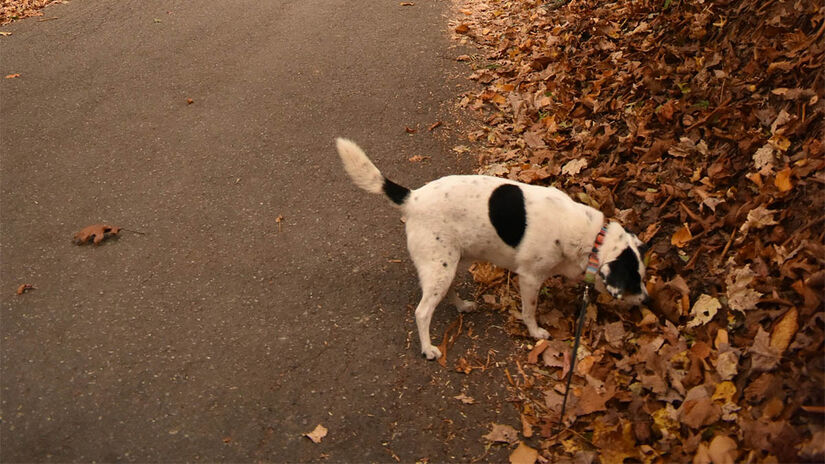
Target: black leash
(579,325)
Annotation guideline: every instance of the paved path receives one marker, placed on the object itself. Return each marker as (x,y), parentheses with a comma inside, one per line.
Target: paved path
(213,335)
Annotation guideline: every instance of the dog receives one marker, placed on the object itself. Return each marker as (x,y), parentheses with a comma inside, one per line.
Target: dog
(536,232)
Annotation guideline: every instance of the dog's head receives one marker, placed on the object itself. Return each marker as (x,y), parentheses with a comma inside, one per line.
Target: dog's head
(622,265)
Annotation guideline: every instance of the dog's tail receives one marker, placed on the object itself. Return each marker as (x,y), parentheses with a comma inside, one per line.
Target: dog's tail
(365,175)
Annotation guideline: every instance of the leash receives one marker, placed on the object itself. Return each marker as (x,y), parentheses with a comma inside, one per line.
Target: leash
(589,281)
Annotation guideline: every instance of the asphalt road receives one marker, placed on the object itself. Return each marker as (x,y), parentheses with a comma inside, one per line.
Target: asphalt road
(210,331)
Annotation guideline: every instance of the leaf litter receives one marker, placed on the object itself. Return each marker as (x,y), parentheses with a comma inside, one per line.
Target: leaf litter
(699,126)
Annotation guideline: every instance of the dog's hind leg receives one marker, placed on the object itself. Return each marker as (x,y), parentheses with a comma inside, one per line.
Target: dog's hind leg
(436,276)
(530,286)
(463,306)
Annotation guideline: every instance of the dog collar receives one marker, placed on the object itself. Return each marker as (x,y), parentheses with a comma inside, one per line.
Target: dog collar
(593,259)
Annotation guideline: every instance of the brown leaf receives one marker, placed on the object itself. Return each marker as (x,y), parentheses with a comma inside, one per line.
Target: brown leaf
(317,434)
(23,287)
(614,334)
(465,399)
(526,427)
(783,180)
(698,409)
(703,311)
(591,400)
(502,433)
(740,296)
(764,357)
(97,233)
(533,357)
(523,454)
(681,237)
(462,29)
(784,331)
(723,450)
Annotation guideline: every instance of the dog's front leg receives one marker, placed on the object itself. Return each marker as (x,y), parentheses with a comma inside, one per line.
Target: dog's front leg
(530,286)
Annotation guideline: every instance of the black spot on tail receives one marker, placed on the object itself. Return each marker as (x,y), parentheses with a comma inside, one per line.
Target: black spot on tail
(395,192)
(624,273)
(507,213)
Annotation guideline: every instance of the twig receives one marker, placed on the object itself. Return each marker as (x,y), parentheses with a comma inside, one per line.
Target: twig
(134,231)
(708,116)
(727,247)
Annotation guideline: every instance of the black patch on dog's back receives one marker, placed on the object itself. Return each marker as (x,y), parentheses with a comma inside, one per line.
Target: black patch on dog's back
(624,273)
(507,213)
(395,192)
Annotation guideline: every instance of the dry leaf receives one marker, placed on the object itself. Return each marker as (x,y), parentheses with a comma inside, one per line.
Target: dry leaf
(727,365)
(698,409)
(571,168)
(758,218)
(23,287)
(703,310)
(12,76)
(523,454)
(764,158)
(764,357)
(783,180)
(681,237)
(533,357)
(96,233)
(740,296)
(723,450)
(784,331)
(502,433)
(462,29)
(317,434)
(465,399)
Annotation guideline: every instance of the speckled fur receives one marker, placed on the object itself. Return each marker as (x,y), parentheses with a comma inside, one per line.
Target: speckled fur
(447,223)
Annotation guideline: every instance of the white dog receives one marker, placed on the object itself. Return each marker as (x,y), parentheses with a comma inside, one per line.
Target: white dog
(537,232)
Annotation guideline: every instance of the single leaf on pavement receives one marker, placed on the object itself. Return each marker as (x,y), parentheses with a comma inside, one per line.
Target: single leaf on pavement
(23,287)
(465,399)
(96,233)
(317,434)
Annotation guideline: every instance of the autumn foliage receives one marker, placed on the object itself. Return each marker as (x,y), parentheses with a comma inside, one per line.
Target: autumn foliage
(698,125)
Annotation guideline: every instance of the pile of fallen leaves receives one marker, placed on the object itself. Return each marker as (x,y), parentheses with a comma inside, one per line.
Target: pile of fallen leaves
(698,125)
(17,9)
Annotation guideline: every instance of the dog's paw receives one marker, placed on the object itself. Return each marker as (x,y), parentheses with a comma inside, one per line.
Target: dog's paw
(464,306)
(540,333)
(431,352)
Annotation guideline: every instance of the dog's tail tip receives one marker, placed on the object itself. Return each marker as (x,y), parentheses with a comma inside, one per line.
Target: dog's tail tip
(365,175)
